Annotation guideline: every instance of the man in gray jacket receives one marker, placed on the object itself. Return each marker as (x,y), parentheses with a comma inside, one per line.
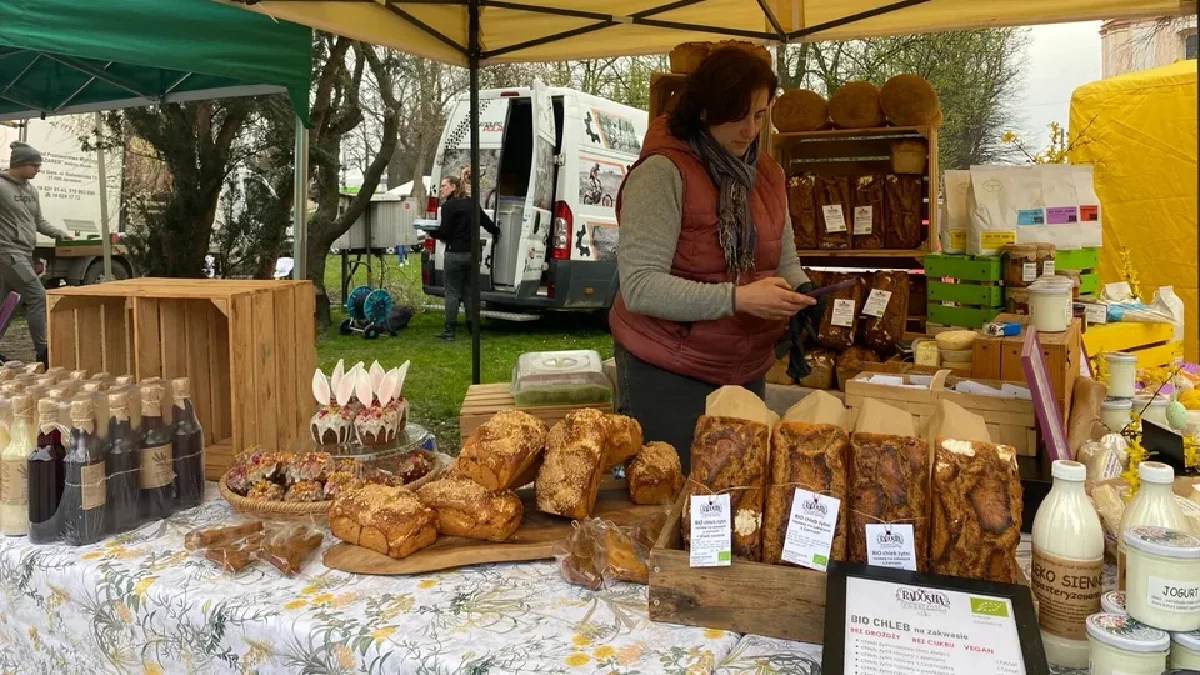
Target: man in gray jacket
(20,221)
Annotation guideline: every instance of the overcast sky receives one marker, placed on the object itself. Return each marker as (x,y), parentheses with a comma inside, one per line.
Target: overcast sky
(1059,58)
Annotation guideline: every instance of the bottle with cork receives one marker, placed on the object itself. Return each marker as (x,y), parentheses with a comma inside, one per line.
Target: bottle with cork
(187,446)
(46,471)
(123,463)
(14,468)
(156,473)
(82,511)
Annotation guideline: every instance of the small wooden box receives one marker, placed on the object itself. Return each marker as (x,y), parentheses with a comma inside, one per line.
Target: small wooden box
(920,403)
(999,358)
(746,597)
(484,400)
(248,347)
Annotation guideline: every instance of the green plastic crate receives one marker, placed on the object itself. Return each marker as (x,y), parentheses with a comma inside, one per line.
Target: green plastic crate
(965,317)
(964,267)
(1089,284)
(966,294)
(1081,259)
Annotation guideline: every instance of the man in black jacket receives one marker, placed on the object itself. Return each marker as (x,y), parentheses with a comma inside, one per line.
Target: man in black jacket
(456,233)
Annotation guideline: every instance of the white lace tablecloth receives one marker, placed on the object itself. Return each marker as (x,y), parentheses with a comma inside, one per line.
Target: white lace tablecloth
(139,603)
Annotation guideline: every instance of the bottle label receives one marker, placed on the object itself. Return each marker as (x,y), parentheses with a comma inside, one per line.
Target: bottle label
(155,470)
(1173,595)
(14,481)
(92,485)
(1068,592)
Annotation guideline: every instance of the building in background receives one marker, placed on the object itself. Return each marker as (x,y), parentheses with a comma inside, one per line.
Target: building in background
(1138,45)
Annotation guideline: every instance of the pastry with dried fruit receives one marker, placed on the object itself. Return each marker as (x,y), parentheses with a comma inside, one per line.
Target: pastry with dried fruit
(305,491)
(265,490)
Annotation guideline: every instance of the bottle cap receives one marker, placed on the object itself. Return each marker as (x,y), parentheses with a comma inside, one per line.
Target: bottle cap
(92,387)
(1156,472)
(1125,633)
(1120,357)
(54,394)
(47,407)
(22,404)
(101,376)
(82,410)
(78,375)
(122,380)
(1065,469)
(180,387)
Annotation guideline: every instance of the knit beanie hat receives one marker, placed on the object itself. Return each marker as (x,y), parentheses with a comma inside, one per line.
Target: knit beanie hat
(23,154)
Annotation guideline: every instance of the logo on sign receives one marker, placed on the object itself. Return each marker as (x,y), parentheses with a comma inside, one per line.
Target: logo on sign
(922,600)
(814,506)
(710,507)
(889,540)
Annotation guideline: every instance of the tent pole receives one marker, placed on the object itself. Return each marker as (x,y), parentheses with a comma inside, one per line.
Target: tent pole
(473,306)
(300,204)
(102,190)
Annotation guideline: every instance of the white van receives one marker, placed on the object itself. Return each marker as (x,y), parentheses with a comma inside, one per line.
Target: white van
(551,161)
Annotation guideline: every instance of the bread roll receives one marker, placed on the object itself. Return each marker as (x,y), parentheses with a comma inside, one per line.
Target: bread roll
(688,56)
(623,442)
(808,457)
(800,110)
(655,476)
(856,106)
(467,509)
(729,456)
(389,520)
(749,47)
(504,452)
(570,474)
(888,483)
(909,100)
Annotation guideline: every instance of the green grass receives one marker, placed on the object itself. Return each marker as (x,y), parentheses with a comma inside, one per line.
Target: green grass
(441,371)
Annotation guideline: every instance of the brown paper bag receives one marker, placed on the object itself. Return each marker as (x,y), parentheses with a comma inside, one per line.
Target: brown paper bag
(1085,413)
(876,417)
(819,407)
(739,402)
(955,422)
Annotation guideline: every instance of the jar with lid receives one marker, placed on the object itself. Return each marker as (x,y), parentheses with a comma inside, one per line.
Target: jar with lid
(1068,565)
(1115,413)
(1162,577)
(1016,300)
(1020,264)
(1154,504)
(1122,374)
(1046,254)
(1121,646)
(1113,602)
(1185,650)
(1153,409)
(1050,304)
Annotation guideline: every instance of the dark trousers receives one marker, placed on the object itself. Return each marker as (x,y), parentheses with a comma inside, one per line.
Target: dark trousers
(666,404)
(17,274)
(459,277)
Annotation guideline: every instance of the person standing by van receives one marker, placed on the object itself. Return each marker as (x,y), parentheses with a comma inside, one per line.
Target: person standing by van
(456,232)
(20,221)
(709,276)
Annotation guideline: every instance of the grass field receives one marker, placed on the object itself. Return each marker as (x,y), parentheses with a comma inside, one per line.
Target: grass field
(441,371)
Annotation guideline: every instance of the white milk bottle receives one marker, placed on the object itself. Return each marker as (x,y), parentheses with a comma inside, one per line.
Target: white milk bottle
(1154,504)
(1068,565)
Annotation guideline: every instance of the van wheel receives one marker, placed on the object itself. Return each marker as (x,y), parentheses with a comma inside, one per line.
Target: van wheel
(96,270)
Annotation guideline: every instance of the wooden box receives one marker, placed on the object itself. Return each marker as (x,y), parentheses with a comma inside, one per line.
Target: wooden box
(999,358)
(484,400)
(248,347)
(1153,344)
(918,402)
(746,597)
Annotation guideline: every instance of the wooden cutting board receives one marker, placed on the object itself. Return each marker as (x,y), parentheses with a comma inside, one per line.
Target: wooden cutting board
(534,540)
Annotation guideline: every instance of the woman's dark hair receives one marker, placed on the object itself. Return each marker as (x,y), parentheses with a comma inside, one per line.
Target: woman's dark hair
(721,90)
(454,183)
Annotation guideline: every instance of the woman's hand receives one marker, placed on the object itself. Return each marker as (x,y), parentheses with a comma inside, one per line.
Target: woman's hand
(770,298)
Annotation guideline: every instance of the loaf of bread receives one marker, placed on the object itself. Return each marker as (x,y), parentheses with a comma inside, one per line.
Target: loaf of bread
(882,333)
(467,509)
(654,475)
(821,363)
(389,520)
(856,106)
(976,511)
(757,51)
(833,199)
(800,110)
(623,442)
(729,456)
(839,321)
(504,452)
(909,100)
(888,483)
(902,224)
(808,457)
(868,212)
(570,475)
(804,212)
(688,56)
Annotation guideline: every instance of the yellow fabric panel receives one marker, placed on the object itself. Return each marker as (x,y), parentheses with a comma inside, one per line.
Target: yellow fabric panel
(374,21)
(1141,131)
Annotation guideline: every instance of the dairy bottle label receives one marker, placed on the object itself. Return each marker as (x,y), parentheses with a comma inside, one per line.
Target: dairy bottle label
(1068,592)
(155,468)
(1171,595)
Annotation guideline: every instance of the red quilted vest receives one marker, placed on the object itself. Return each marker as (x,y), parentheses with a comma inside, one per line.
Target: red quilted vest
(732,350)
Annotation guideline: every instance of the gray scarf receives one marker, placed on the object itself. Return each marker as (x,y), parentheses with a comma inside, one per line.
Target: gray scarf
(734,177)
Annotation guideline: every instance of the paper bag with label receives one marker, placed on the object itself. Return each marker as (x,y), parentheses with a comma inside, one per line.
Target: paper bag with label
(819,407)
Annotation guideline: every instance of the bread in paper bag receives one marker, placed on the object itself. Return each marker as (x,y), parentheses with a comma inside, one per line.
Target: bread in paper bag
(819,407)
(729,456)
(734,401)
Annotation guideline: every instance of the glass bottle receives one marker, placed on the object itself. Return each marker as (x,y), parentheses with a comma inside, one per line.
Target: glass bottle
(187,446)
(82,511)
(14,467)
(156,475)
(1154,504)
(46,474)
(121,470)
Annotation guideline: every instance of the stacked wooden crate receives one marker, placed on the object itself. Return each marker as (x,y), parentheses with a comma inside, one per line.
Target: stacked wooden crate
(484,400)
(963,290)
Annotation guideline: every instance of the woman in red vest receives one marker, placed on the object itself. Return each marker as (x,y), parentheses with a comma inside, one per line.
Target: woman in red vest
(708,271)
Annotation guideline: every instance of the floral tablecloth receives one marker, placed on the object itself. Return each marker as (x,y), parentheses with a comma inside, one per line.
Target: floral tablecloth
(139,603)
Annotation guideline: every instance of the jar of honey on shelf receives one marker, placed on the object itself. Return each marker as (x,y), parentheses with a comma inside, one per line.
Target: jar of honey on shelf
(1021,266)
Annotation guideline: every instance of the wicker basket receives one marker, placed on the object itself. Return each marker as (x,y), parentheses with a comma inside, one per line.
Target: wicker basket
(308,511)
(908,157)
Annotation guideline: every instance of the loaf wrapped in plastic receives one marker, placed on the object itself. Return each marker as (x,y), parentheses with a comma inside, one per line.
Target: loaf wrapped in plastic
(885,310)
(821,363)
(833,198)
(729,456)
(976,511)
(804,212)
(868,212)
(888,484)
(808,457)
(903,213)
(840,318)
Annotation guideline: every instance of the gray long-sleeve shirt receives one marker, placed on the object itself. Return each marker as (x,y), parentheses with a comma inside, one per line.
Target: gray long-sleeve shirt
(21,217)
(651,215)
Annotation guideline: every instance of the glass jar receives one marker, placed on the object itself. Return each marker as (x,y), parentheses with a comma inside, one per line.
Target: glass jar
(1185,650)
(1113,602)
(1050,305)
(1122,374)
(1153,408)
(1115,413)
(1016,301)
(1162,579)
(1154,504)
(1074,277)
(1121,646)
(1020,264)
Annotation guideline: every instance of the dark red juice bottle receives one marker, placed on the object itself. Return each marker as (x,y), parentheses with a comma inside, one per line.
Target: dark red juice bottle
(187,447)
(46,474)
(123,463)
(156,474)
(82,512)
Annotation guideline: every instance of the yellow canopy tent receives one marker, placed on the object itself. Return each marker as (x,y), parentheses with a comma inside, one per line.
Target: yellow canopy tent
(1141,137)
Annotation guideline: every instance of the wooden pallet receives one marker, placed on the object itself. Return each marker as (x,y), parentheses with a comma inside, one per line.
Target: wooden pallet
(248,347)
(484,400)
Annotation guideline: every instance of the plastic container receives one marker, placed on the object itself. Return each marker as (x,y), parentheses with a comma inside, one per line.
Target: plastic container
(1115,413)
(956,358)
(1154,504)
(1185,650)
(1153,409)
(1050,305)
(558,378)
(1162,578)
(1122,374)
(1068,565)
(1113,602)
(1121,646)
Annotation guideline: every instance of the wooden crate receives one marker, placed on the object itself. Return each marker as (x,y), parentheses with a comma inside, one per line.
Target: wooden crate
(999,358)
(1154,344)
(745,597)
(248,347)
(963,290)
(484,400)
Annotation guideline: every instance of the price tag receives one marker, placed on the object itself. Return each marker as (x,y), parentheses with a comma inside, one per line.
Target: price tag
(1029,271)
(712,533)
(1048,268)
(843,313)
(891,546)
(835,220)
(1096,313)
(862,220)
(877,303)
(810,529)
